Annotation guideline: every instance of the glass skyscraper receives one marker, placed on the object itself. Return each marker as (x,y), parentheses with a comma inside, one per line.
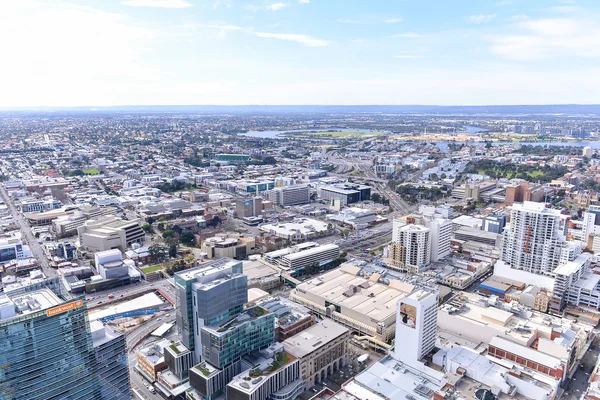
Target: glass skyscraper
(46,346)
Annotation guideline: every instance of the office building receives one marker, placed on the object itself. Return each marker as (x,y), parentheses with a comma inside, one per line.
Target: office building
(519,191)
(228,245)
(274,375)
(413,252)
(179,359)
(66,225)
(111,355)
(110,232)
(49,351)
(206,296)
(293,259)
(587,152)
(347,193)
(36,205)
(289,195)
(66,250)
(249,208)
(494,223)
(321,349)
(12,249)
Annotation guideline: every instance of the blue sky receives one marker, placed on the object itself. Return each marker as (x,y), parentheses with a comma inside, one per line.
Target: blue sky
(113,52)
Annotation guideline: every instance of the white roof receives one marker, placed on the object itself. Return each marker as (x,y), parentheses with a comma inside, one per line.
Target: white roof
(525,352)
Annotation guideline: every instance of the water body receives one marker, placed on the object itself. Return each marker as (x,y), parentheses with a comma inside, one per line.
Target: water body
(473,129)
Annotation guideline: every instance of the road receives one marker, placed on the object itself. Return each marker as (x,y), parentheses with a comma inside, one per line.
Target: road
(577,385)
(27,236)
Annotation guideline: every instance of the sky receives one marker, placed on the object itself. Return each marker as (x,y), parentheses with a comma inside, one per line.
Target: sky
(272,52)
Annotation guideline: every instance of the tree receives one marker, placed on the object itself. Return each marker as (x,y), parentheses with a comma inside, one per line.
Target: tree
(168,234)
(443,176)
(147,228)
(269,160)
(150,220)
(188,237)
(488,145)
(433,177)
(173,251)
(156,252)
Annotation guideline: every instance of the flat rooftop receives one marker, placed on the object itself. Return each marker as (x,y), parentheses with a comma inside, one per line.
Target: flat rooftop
(139,303)
(391,379)
(27,303)
(213,267)
(304,226)
(376,301)
(249,380)
(313,338)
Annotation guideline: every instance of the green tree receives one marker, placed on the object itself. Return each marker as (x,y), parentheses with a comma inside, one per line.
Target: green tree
(173,251)
(157,252)
(188,237)
(269,160)
(147,228)
(168,234)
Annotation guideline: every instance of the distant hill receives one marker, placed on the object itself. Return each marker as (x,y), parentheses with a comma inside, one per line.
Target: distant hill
(570,109)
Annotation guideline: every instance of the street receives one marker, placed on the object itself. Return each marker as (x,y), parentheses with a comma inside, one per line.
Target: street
(27,236)
(576,386)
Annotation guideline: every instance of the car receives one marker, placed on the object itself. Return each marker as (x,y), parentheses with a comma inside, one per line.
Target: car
(121,296)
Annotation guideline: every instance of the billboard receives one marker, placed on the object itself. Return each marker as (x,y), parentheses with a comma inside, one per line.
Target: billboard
(408,315)
(64,308)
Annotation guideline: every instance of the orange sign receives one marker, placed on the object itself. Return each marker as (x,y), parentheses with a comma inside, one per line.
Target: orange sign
(64,308)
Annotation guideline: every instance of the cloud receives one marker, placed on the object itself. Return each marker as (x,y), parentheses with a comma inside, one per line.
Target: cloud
(349,21)
(226,27)
(157,3)
(407,56)
(503,3)
(480,19)
(393,20)
(519,17)
(548,38)
(276,6)
(294,37)
(303,1)
(408,35)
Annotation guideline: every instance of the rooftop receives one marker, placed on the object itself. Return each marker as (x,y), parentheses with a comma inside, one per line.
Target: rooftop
(250,380)
(313,338)
(248,315)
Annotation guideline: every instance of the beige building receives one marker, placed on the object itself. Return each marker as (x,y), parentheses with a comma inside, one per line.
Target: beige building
(322,349)
(362,304)
(229,245)
(110,232)
(151,360)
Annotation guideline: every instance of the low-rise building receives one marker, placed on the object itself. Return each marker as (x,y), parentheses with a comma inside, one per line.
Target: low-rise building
(150,359)
(110,233)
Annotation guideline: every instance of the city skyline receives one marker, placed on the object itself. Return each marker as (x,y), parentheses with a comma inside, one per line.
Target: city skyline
(180,52)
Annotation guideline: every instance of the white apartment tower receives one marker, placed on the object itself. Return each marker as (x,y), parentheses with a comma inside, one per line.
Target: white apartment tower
(416,326)
(441,236)
(415,242)
(535,239)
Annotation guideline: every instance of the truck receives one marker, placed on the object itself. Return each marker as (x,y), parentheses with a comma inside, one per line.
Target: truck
(363,358)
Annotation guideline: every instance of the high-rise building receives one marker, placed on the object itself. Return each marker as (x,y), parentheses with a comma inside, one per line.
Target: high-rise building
(441,236)
(535,239)
(113,368)
(206,296)
(416,325)
(48,350)
(414,250)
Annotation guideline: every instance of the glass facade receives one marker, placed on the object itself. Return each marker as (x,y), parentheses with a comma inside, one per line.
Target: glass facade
(113,369)
(47,351)
(43,358)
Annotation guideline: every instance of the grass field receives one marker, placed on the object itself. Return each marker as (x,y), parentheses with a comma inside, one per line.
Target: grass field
(91,171)
(151,268)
